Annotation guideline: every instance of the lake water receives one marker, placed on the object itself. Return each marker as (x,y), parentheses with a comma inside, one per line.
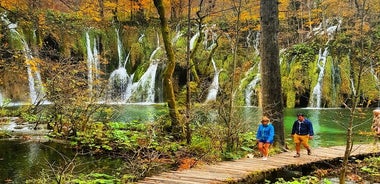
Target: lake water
(20,160)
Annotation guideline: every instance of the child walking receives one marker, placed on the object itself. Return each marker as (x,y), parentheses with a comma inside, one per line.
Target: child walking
(264,136)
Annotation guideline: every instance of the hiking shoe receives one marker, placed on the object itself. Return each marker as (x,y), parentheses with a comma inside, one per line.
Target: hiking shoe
(308,151)
(297,155)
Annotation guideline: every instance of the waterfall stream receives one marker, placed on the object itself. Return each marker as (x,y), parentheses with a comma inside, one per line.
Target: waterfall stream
(122,89)
(248,92)
(316,96)
(214,87)
(36,91)
(92,62)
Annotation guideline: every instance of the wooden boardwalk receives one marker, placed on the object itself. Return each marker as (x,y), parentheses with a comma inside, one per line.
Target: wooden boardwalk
(238,170)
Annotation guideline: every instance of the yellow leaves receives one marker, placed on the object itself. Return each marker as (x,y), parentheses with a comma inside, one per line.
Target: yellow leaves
(330,8)
(42,19)
(15,4)
(249,16)
(97,19)
(33,63)
(110,5)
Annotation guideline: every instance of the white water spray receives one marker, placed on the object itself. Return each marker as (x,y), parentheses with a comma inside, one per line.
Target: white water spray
(214,87)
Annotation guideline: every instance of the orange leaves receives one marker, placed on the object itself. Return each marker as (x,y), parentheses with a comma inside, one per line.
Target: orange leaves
(187,163)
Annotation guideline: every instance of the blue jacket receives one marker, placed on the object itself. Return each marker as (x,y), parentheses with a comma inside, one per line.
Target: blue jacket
(303,128)
(265,133)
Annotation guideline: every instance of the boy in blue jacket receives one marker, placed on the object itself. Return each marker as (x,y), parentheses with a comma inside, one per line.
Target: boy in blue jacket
(264,136)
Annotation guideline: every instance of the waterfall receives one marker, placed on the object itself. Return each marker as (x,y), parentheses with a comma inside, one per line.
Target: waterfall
(119,47)
(210,37)
(143,90)
(140,39)
(92,62)
(177,35)
(118,82)
(121,85)
(36,91)
(119,79)
(353,86)
(214,87)
(253,40)
(250,90)
(193,40)
(316,96)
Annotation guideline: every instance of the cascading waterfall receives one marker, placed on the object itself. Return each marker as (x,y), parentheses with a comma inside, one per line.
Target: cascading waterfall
(253,40)
(121,85)
(119,79)
(118,82)
(209,46)
(144,90)
(36,91)
(210,34)
(119,48)
(214,87)
(316,97)
(177,35)
(193,40)
(250,90)
(92,62)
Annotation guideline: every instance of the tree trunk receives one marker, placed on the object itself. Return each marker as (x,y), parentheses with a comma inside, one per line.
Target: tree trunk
(168,81)
(272,104)
(188,91)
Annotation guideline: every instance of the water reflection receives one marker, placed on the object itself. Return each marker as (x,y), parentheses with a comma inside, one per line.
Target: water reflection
(330,125)
(22,160)
(33,152)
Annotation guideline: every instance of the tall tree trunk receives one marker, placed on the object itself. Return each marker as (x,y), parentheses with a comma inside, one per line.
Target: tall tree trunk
(168,81)
(272,104)
(188,91)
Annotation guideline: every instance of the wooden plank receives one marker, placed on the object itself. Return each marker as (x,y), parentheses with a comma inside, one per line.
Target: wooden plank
(238,169)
